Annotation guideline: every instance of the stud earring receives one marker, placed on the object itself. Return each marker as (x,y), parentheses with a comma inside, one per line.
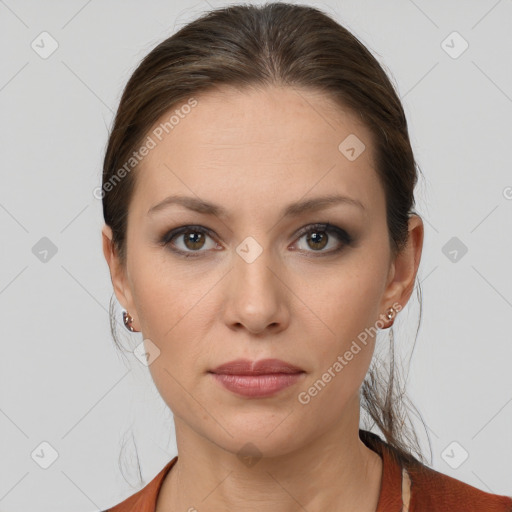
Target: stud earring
(390,313)
(127,321)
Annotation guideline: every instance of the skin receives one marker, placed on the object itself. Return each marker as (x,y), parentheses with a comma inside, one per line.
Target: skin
(254,152)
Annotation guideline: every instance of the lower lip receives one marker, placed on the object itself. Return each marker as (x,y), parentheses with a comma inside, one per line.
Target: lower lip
(258,385)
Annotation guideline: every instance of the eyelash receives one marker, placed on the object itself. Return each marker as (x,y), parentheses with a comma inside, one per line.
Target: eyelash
(342,235)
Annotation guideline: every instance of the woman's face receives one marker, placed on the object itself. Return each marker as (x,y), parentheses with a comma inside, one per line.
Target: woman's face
(253,286)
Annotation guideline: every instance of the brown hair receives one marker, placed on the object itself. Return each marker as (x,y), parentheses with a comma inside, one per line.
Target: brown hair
(286,45)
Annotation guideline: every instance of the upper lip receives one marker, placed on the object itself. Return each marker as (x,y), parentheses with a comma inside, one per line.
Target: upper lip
(261,367)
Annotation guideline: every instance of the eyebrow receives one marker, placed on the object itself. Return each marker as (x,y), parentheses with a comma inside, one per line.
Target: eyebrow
(291,210)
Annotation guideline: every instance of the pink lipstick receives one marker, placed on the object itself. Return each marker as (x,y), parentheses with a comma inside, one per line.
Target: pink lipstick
(257,379)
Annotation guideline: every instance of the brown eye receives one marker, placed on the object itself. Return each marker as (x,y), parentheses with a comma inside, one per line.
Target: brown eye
(188,240)
(193,240)
(318,236)
(317,239)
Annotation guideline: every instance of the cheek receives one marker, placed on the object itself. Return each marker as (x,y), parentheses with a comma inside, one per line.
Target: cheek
(348,307)
(164,293)
(347,303)
(174,307)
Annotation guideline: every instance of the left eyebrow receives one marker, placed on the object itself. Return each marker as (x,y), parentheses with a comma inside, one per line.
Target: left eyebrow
(291,210)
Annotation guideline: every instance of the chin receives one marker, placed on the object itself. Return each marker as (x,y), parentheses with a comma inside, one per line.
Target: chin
(264,434)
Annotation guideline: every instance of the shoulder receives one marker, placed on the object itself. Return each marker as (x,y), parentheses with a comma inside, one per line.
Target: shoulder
(432,490)
(145,499)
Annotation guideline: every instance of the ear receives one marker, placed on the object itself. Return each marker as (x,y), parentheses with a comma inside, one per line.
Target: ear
(403,270)
(118,274)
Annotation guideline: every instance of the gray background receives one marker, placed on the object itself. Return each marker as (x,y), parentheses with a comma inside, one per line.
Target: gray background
(61,379)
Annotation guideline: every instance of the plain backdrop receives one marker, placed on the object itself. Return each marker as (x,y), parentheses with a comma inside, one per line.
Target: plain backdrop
(69,401)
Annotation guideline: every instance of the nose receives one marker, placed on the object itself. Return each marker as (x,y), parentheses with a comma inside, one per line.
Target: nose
(257,298)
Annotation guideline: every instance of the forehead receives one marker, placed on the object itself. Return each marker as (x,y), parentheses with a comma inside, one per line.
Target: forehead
(258,145)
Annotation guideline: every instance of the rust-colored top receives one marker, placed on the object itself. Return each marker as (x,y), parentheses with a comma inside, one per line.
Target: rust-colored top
(420,489)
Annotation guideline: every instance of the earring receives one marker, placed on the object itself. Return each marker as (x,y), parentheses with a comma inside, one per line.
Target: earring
(128,320)
(390,315)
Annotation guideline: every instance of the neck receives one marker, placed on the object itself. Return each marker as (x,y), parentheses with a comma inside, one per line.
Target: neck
(335,472)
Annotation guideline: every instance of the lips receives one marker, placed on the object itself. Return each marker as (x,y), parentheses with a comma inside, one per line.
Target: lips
(257,379)
(261,367)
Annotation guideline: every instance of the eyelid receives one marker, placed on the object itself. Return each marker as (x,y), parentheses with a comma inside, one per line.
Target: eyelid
(344,237)
(327,227)
(167,238)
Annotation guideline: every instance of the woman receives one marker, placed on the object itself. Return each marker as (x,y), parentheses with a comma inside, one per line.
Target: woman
(259,230)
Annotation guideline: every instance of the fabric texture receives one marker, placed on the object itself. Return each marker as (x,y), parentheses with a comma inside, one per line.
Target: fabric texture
(430,491)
